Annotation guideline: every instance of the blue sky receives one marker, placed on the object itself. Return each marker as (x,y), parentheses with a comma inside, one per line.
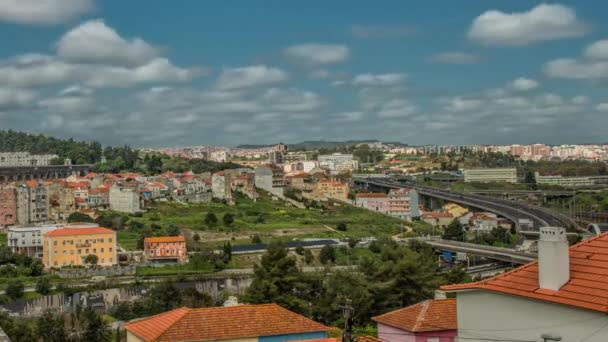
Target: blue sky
(161,73)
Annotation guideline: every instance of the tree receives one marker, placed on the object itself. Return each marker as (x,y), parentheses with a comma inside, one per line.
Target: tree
(50,327)
(210,219)
(43,286)
(95,328)
(173,231)
(228,219)
(196,237)
(454,231)
(256,239)
(79,217)
(327,254)
(91,259)
(227,250)
(341,227)
(14,289)
(299,250)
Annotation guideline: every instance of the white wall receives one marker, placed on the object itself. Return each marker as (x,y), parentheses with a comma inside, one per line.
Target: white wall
(484,315)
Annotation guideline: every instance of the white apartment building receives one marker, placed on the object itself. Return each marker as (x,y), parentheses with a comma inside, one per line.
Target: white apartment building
(32,203)
(25,159)
(563,181)
(508,175)
(29,240)
(338,162)
(125,199)
(270,178)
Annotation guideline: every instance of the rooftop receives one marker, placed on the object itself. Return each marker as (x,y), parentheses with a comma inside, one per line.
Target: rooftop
(371,195)
(586,289)
(160,239)
(430,315)
(79,231)
(222,323)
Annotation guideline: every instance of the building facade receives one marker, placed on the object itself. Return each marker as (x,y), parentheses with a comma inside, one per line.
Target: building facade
(403,203)
(338,162)
(70,246)
(165,248)
(8,206)
(125,199)
(332,189)
(32,203)
(28,240)
(61,201)
(560,180)
(373,201)
(271,179)
(25,159)
(507,175)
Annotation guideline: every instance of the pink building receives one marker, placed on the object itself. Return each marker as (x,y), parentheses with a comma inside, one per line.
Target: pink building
(373,201)
(428,321)
(8,206)
(165,248)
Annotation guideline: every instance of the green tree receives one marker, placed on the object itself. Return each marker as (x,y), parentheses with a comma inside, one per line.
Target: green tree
(228,219)
(79,217)
(299,250)
(227,251)
(256,239)
(454,231)
(43,286)
(210,219)
(327,254)
(308,257)
(50,327)
(91,259)
(173,231)
(341,227)
(95,328)
(196,237)
(14,289)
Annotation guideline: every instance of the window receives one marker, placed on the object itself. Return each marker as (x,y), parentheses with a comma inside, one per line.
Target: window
(110,240)
(101,250)
(432,339)
(72,252)
(86,251)
(54,243)
(110,249)
(80,251)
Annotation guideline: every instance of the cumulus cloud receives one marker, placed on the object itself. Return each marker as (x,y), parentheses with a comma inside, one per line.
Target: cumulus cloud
(250,76)
(454,58)
(292,100)
(602,107)
(460,104)
(597,50)
(523,84)
(15,98)
(43,12)
(542,23)
(379,79)
(94,42)
(396,108)
(314,54)
(382,31)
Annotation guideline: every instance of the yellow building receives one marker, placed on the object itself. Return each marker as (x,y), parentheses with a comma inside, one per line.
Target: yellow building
(70,246)
(455,209)
(333,189)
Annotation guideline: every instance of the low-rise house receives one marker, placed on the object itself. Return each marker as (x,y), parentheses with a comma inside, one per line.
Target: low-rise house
(482,222)
(246,323)
(429,321)
(373,201)
(165,249)
(561,297)
(437,219)
(99,197)
(70,246)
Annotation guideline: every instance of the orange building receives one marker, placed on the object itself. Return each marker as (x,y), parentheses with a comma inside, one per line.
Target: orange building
(70,246)
(333,189)
(165,248)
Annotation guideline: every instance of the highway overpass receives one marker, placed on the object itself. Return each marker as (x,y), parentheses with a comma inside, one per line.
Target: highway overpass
(495,253)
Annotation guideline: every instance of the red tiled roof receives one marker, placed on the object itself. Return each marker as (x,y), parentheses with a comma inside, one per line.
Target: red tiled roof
(160,239)
(587,287)
(78,231)
(222,323)
(371,195)
(435,214)
(430,315)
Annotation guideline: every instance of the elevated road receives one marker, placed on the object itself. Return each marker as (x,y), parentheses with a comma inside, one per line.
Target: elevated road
(511,210)
(495,253)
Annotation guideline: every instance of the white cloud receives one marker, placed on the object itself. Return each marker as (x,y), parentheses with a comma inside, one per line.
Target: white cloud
(250,76)
(95,42)
(523,84)
(454,58)
(353,116)
(15,98)
(602,107)
(461,104)
(574,69)
(379,79)
(542,23)
(396,108)
(597,50)
(292,100)
(317,54)
(579,100)
(43,12)
(319,74)
(381,31)
(75,90)
(68,104)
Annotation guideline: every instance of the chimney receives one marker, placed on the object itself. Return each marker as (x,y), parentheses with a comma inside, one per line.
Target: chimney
(439,294)
(553,258)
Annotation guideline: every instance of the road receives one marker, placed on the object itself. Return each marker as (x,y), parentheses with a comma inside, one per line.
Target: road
(496,253)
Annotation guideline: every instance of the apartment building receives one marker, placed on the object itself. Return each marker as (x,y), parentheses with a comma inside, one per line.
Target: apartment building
(403,203)
(25,159)
(61,201)
(29,240)
(560,180)
(373,201)
(165,248)
(70,246)
(508,175)
(270,178)
(8,206)
(338,162)
(32,203)
(125,198)
(332,189)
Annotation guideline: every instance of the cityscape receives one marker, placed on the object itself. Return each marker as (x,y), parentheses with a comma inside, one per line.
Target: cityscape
(273,172)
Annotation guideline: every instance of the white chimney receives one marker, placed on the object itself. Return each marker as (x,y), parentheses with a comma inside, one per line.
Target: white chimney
(553,258)
(439,294)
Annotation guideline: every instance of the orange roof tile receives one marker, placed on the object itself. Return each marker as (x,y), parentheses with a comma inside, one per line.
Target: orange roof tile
(435,214)
(78,231)
(587,287)
(160,239)
(430,315)
(222,323)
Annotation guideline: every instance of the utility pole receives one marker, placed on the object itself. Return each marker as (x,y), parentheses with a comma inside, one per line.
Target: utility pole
(347,310)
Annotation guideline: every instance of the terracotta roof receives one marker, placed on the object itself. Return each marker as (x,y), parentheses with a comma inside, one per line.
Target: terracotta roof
(435,214)
(371,195)
(159,239)
(430,315)
(222,323)
(79,231)
(587,287)
(368,339)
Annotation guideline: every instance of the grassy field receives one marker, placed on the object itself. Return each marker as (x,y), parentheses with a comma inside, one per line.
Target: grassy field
(127,240)
(3,239)
(266,215)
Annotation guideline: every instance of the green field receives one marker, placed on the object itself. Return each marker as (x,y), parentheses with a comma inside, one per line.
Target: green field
(3,239)
(127,240)
(266,215)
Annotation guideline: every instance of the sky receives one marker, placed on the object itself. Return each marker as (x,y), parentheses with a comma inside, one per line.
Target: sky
(228,72)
